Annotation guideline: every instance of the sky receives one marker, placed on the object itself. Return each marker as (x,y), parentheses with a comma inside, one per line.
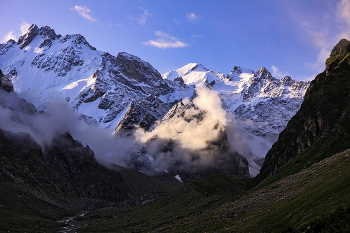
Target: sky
(287,37)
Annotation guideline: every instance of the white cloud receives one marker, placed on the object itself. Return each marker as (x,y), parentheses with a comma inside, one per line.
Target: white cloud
(321,39)
(38,50)
(193,17)
(324,40)
(343,14)
(142,19)
(24,27)
(8,37)
(277,73)
(165,41)
(176,21)
(196,36)
(84,12)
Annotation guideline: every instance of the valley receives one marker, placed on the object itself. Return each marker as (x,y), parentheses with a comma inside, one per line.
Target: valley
(111,145)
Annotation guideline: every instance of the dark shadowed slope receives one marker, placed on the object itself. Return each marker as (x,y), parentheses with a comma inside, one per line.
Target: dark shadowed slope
(321,126)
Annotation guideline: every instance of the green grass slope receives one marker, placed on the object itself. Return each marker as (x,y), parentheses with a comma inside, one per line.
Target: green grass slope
(25,210)
(196,198)
(216,204)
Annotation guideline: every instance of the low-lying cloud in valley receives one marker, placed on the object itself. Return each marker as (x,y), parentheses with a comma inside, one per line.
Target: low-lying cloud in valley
(196,134)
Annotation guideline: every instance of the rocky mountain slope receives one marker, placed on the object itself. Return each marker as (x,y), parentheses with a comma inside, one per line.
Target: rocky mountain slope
(59,186)
(304,182)
(99,85)
(103,87)
(124,93)
(321,126)
(60,175)
(261,103)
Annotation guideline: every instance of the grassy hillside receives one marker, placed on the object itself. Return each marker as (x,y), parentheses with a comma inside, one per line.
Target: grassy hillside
(193,200)
(292,203)
(25,210)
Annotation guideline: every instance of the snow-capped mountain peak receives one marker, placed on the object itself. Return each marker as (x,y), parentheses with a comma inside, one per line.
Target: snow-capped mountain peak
(263,73)
(240,74)
(46,33)
(195,74)
(262,103)
(240,70)
(99,85)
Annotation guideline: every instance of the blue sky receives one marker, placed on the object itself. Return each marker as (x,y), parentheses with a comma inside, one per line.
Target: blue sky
(287,37)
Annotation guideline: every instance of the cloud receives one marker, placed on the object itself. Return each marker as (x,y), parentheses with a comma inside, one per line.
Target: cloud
(320,40)
(343,14)
(186,140)
(176,21)
(277,73)
(24,27)
(84,12)
(190,132)
(8,37)
(142,19)
(192,17)
(165,41)
(193,36)
(325,38)
(210,101)
(59,117)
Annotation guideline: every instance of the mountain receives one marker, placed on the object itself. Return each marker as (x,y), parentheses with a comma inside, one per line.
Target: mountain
(178,144)
(303,185)
(46,181)
(58,185)
(261,103)
(320,128)
(194,74)
(116,92)
(124,93)
(99,85)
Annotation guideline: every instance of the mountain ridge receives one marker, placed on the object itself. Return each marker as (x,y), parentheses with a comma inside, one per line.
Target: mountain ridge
(260,103)
(89,79)
(321,121)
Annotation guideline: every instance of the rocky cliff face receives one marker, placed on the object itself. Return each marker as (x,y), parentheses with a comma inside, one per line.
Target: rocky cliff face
(143,113)
(323,117)
(5,83)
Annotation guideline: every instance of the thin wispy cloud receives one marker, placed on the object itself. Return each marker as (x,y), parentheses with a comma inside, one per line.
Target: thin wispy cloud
(8,37)
(193,36)
(84,12)
(142,19)
(343,15)
(192,17)
(165,41)
(176,21)
(324,40)
(320,40)
(277,73)
(24,27)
